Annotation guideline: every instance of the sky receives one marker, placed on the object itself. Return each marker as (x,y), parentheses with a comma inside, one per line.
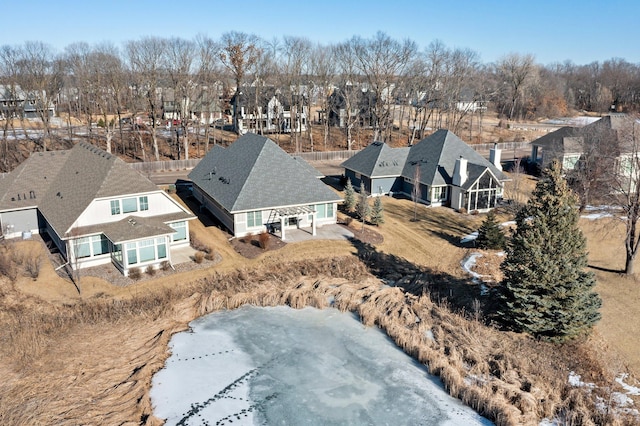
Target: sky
(553,31)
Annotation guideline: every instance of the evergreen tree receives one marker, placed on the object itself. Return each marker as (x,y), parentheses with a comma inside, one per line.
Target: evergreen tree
(349,197)
(546,290)
(490,236)
(362,208)
(377,212)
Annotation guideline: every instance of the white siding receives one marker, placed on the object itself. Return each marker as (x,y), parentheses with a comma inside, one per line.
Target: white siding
(99,211)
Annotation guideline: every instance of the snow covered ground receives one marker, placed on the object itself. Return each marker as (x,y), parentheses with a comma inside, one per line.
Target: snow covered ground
(285,366)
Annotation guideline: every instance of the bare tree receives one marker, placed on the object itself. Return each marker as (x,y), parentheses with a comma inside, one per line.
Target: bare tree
(382,60)
(625,186)
(296,51)
(514,70)
(415,191)
(9,58)
(146,60)
(40,75)
(349,91)
(323,71)
(179,62)
(208,80)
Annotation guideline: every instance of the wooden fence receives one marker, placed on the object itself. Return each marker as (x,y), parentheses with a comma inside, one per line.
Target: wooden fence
(171,165)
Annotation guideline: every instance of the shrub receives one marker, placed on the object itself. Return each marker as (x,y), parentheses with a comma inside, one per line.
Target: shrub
(462,210)
(150,270)
(210,255)
(32,264)
(197,244)
(490,235)
(165,265)
(198,257)
(348,221)
(7,267)
(263,240)
(135,273)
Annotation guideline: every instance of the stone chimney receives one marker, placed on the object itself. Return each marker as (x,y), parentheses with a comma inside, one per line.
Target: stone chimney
(460,172)
(494,156)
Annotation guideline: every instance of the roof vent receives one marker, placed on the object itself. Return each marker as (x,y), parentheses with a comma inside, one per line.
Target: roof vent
(132,222)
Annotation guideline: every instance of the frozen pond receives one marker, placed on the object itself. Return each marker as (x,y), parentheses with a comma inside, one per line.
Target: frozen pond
(282,366)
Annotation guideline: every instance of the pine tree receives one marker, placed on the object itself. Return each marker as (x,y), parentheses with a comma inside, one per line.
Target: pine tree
(349,197)
(546,290)
(490,236)
(362,208)
(377,212)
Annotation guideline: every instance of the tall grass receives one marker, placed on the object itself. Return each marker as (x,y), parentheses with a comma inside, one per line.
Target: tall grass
(509,378)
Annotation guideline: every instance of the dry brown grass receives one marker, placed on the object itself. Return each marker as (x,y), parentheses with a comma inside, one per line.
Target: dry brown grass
(61,349)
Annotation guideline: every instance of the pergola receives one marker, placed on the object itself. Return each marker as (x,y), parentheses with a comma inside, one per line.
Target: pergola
(285,213)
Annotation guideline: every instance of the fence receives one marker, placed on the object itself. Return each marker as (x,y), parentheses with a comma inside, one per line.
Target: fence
(165,166)
(170,165)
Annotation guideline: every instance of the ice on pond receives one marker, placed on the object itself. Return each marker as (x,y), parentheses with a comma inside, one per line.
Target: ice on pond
(293,367)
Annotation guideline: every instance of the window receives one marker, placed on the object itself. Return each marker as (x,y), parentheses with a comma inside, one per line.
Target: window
(117,253)
(569,161)
(132,253)
(144,203)
(99,245)
(439,193)
(83,247)
(321,211)
(330,210)
(181,231)
(94,245)
(129,205)
(147,250)
(254,219)
(162,247)
(115,207)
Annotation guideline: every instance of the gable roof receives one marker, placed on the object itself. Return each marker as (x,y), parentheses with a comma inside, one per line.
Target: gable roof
(25,186)
(88,173)
(378,160)
(253,173)
(437,155)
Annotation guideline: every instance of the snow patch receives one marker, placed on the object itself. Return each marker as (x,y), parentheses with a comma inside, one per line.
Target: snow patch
(631,390)
(469,263)
(576,381)
(468,238)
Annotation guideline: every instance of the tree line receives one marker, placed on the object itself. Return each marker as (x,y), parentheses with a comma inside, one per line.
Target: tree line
(435,86)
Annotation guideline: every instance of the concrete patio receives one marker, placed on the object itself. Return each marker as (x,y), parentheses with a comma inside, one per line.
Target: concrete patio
(326,232)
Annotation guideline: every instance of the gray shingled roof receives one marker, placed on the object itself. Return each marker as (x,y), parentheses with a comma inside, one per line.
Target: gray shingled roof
(254,173)
(437,155)
(88,173)
(27,184)
(309,167)
(378,160)
(561,141)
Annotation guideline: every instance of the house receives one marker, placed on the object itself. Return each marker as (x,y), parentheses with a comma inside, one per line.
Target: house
(18,103)
(268,110)
(446,171)
(359,102)
(95,208)
(253,186)
(568,144)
